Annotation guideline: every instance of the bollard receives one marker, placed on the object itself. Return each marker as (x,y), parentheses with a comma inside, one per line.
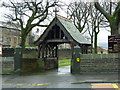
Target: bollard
(75,62)
(17,59)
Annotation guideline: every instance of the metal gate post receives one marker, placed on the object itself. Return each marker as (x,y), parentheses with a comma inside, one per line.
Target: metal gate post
(75,62)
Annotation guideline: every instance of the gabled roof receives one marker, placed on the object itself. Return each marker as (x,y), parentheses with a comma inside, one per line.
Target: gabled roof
(69,28)
(72,30)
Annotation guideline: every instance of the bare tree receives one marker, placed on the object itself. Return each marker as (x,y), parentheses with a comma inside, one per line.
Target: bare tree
(79,13)
(86,18)
(29,14)
(112,15)
(96,19)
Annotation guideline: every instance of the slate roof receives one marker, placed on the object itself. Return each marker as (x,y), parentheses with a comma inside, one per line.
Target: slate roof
(72,30)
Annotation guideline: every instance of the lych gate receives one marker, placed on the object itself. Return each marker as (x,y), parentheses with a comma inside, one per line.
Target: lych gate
(60,30)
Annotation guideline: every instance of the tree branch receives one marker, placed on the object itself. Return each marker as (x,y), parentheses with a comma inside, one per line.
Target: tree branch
(117,9)
(97,6)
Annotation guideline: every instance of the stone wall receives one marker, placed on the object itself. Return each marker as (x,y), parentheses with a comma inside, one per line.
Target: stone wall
(6,65)
(33,53)
(99,63)
(51,63)
(30,61)
(32,65)
(89,62)
(64,53)
(7,52)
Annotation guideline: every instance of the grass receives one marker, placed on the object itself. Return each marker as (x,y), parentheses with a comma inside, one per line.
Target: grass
(64,62)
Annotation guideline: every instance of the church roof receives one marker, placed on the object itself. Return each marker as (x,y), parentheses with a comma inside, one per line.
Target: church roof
(69,27)
(72,30)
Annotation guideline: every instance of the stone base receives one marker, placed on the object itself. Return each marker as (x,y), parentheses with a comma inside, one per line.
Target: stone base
(51,63)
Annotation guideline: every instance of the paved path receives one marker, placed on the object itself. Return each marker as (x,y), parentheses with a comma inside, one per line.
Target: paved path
(61,78)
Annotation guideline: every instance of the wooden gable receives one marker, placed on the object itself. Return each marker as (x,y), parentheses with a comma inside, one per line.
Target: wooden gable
(61,30)
(55,32)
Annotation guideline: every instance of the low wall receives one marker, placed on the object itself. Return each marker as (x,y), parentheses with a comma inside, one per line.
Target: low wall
(33,53)
(30,61)
(32,65)
(6,65)
(64,53)
(89,62)
(30,53)
(99,63)
(51,63)
(7,52)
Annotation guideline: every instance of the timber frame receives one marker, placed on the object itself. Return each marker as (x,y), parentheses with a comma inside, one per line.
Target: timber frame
(55,34)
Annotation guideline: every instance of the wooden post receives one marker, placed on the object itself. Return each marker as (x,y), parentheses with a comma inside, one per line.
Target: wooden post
(52,50)
(49,51)
(86,49)
(56,51)
(43,48)
(82,49)
(46,51)
(38,51)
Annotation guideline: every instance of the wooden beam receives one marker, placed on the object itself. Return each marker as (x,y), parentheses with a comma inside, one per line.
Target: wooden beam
(60,34)
(58,40)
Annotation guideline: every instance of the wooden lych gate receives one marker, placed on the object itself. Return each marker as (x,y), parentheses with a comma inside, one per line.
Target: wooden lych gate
(60,30)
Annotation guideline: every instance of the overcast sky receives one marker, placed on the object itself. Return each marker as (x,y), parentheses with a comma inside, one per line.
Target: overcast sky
(102,36)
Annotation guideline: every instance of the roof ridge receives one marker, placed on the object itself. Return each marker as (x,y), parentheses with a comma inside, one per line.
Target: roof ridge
(63,17)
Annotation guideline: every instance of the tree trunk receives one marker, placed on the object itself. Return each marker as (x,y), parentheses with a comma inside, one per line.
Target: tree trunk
(23,40)
(114,27)
(92,44)
(95,43)
(119,29)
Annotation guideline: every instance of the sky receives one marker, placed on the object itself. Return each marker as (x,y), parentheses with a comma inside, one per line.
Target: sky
(102,36)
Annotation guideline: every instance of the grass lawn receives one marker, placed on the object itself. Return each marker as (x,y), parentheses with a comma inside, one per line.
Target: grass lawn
(64,62)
